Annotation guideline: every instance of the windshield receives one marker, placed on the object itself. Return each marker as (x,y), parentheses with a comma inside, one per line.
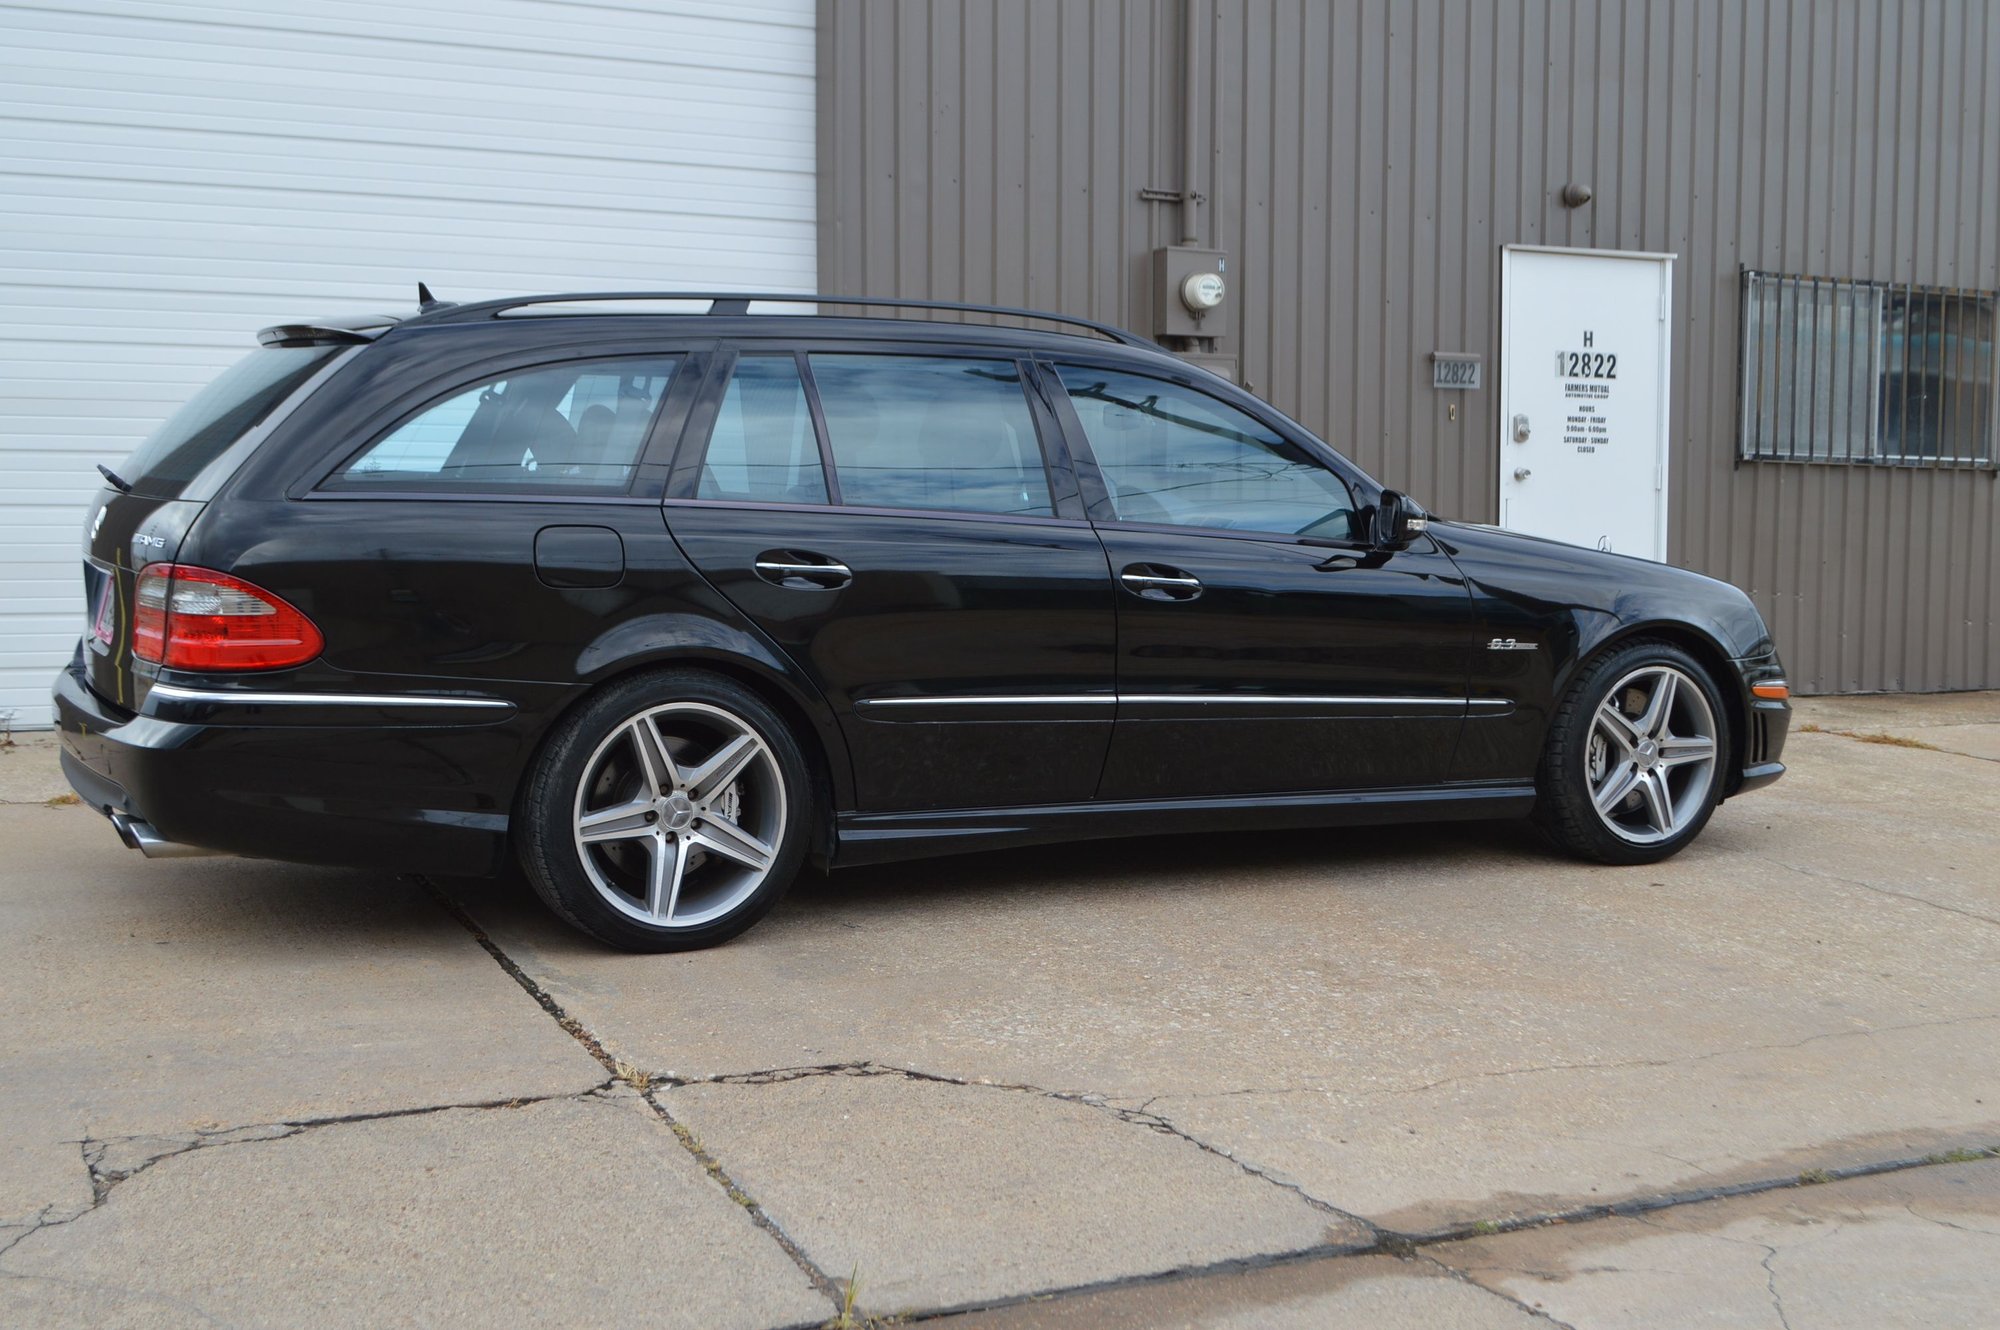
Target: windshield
(217,416)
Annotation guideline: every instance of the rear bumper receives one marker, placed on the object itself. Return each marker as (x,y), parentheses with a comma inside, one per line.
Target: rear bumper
(418,799)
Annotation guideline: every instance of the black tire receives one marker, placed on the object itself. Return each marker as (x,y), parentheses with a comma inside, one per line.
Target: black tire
(1565,812)
(582,893)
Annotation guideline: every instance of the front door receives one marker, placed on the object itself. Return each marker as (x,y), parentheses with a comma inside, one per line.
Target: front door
(1263,645)
(889,522)
(1585,366)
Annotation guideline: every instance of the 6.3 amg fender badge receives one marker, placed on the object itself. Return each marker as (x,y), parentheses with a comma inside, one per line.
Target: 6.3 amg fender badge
(1510,644)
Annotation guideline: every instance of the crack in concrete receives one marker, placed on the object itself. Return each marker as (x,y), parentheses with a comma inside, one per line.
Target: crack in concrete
(625,1073)
(1879,890)
(1139,1116)
(829,1287)
(569,1024)
(1946,1223)
(1465,1277)
(29,1227)
(1771,1286)
(112,1160)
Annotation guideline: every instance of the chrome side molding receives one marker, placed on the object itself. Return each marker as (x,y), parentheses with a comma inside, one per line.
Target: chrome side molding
(174,692)
(1182,699)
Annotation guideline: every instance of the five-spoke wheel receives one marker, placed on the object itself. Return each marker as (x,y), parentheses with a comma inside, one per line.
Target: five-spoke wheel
(663,814)
(1652,754)
(1635,754)
(679,814)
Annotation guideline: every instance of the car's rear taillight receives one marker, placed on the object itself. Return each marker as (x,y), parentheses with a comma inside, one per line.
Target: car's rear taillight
(197,619)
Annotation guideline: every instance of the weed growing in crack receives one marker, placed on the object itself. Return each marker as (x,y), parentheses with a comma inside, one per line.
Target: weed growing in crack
(1961,1156)
(1815,1177)
(642,1081)
(62,801)
(844,1319)
(1486,1228)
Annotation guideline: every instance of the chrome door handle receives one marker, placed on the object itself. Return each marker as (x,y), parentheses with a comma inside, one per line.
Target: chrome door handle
(800,571)
(768,566)
(1151,581)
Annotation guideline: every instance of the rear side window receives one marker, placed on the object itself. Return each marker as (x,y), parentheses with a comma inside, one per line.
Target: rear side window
(931,432)
(578,426)
(218,416)
(763,448)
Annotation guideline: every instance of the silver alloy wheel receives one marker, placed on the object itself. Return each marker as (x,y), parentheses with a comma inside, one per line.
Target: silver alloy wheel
(680,814)
(1652,755)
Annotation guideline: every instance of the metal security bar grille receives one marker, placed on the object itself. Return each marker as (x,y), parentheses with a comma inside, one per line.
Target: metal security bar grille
(1868,372)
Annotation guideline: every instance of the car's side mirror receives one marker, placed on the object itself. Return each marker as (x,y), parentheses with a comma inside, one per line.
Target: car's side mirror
(1398,521)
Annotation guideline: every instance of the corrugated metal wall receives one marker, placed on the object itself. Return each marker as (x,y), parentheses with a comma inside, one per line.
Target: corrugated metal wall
(1366,162)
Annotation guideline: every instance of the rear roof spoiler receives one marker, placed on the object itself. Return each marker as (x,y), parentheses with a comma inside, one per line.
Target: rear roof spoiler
(328,332)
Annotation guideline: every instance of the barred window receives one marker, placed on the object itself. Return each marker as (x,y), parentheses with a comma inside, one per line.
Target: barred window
(1867,372)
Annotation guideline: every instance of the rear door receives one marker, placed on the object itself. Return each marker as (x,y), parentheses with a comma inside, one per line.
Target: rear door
(894,523)
(1264,645)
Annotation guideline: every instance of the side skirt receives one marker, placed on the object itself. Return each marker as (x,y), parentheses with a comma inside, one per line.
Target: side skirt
(873,838)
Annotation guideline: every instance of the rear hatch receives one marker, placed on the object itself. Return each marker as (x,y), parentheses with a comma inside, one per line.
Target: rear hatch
(151,500)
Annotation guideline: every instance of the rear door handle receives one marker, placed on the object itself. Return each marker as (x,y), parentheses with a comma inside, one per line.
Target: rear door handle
(802,570)
(1158,581)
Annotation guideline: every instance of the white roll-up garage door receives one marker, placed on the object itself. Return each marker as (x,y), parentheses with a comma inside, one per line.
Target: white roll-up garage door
(174,176)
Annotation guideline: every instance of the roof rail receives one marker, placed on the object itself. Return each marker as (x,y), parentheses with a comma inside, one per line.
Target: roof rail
(732,303)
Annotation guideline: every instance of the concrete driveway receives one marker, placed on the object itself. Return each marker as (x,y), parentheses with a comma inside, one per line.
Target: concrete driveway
(1408,1077)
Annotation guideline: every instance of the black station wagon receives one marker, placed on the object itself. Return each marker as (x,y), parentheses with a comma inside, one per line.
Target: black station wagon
(660,605)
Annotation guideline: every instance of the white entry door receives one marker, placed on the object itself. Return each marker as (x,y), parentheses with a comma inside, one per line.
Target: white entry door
(1585,361)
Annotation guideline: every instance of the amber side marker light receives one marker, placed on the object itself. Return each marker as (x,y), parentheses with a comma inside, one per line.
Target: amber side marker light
(1777,690)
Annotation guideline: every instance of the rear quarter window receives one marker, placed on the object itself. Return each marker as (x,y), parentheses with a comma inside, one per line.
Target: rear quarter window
(578,426)
(217,416)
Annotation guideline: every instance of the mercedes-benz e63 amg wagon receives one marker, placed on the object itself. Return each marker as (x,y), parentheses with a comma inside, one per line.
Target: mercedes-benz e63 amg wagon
(661,605)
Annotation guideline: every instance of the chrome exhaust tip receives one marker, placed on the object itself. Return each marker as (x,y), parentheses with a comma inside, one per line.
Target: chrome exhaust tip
(142,837)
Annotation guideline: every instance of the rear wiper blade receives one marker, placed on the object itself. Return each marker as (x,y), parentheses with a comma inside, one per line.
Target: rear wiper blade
(118,482)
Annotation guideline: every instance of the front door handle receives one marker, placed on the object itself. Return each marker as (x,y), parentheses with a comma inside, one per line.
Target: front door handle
(802,570)
(1158,581)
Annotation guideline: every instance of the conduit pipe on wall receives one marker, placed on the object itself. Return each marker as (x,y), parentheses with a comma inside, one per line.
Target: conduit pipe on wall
(1190,101)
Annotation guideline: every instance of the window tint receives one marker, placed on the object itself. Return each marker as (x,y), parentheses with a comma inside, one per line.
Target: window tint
(1174,455)
(218,416)
(763,447)
(575,426)
(931,432)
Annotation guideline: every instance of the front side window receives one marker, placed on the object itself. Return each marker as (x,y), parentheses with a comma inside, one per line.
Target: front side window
(932,432)
(763,448)
(1177,456)
(579,426)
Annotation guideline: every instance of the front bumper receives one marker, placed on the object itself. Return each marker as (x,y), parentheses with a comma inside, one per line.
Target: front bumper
(1767,723)
(418,799)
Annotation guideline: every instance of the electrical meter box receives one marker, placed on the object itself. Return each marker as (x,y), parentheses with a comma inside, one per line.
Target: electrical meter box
(1184,304)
